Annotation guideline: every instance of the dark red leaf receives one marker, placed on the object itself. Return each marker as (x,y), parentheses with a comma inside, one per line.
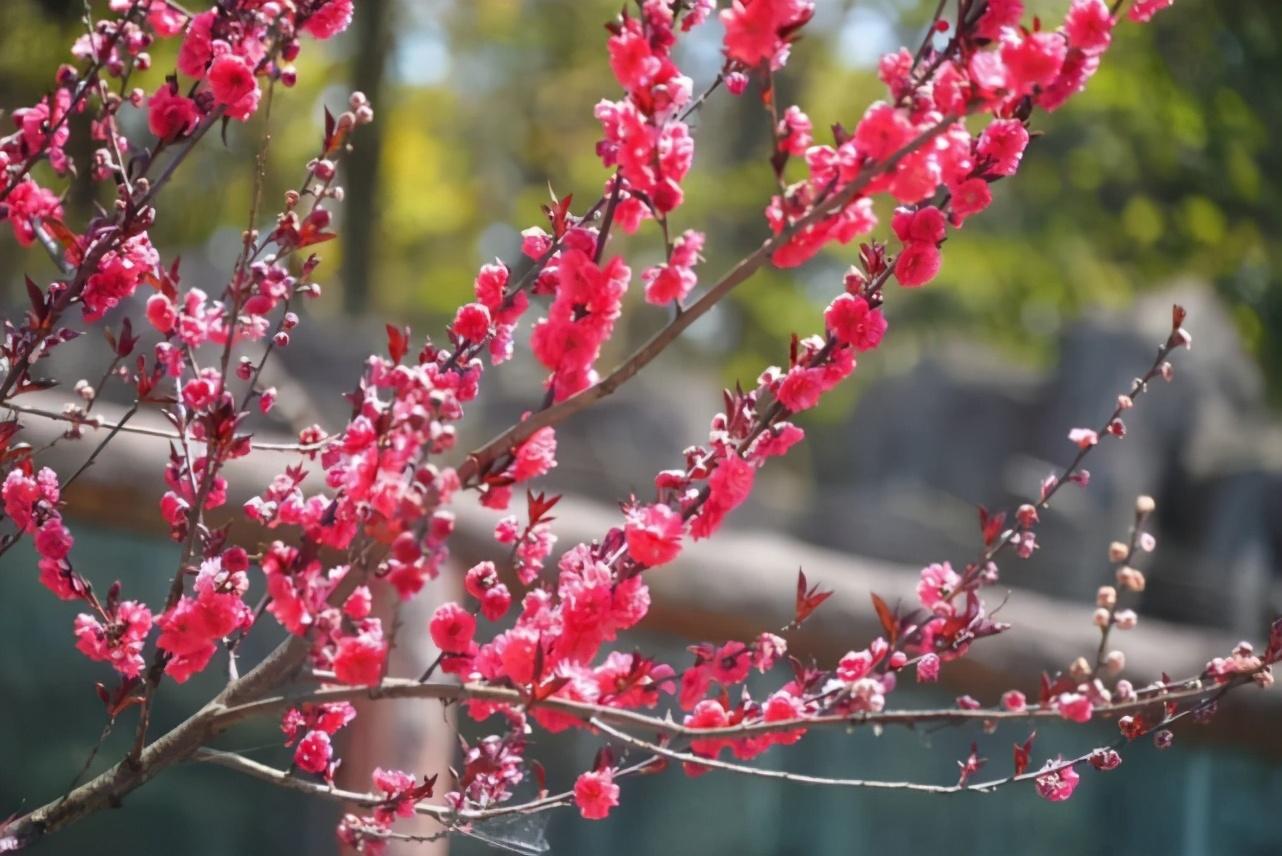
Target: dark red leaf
(808,599)
(397,342)
(990,525)
(1023,754)
(889,623)
(37,298)
(540,778)
(604,758)
(972,765)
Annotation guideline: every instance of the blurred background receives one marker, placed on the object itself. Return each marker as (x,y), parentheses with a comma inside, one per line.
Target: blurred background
(1159,184)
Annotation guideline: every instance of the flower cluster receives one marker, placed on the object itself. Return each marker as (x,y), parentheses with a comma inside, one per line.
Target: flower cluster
(191,629)
(533,641)
(31,502)
(311,726)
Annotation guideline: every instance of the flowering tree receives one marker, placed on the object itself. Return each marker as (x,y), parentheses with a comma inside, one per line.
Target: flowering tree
(364,513)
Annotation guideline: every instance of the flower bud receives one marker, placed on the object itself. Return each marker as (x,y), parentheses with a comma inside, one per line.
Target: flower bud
(1145,504)
(1126,619)
(1101,617)
(1115,661)
(1164,739)
(1105,759)
(1106,597)
(1080,669)
(1130,578)
(1118,552)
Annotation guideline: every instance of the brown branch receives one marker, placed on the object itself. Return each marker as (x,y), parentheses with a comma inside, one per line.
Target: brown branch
(400,688)
(156,432)
(802,779)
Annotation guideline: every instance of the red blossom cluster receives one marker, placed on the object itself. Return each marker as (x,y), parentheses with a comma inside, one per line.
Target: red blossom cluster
(364,513)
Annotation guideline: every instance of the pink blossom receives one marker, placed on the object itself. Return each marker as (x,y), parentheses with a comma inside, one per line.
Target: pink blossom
(197,47)
(170,115)
(119,273)
(1083,437)
(728,486)
(120,643)
(313,753)
(925,225)
(452,628)
(1074,707)
(794,132)
(882,131)
(536,456)
(471,322)
(1013,700)
(631,60)
(232,81)
(853,322)
(917,264)
(1031,59)
(358,661)
(707,714)
(595,793)
(928,669)
(161,312)
(855,665)
(27,203)
(653,534)
(1105,759)
(970,197)
(1002,143)
(330,19)
(999,15)
(801,388)
(667,283)
(753,27)
(1089,25)
(358,604)
(495,602)
(1056,785)
(1142,11)
(776,441)
(936,581)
